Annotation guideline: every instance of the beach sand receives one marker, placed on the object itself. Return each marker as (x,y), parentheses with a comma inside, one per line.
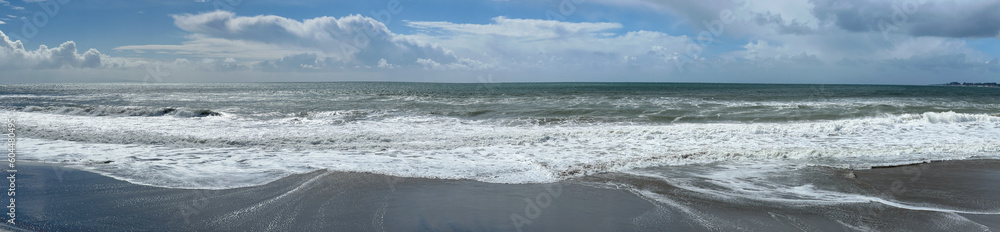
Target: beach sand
(57,198)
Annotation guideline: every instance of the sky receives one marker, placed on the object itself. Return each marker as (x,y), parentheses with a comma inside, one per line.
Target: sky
(486,41)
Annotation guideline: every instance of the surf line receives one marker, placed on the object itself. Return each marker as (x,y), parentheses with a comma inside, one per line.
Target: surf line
(11,192)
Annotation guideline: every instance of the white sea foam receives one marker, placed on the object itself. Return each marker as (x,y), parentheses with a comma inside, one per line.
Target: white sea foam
(776,183)
(230,151)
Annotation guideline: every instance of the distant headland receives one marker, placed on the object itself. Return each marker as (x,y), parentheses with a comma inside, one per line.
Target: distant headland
(970,84)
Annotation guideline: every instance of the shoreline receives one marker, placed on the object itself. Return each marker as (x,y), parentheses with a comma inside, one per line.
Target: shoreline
(60,198)
(53,197)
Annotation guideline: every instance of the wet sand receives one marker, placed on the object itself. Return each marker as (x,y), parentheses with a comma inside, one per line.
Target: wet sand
(57,198)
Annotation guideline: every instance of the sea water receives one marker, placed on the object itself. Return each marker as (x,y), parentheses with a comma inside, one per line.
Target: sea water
(229,135)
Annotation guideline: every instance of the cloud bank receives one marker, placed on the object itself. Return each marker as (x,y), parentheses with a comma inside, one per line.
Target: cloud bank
(816,41)
(330,42)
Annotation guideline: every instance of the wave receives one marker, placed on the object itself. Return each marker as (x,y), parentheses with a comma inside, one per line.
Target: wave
(542,114)
(197,151)
(121,111)
(951,117)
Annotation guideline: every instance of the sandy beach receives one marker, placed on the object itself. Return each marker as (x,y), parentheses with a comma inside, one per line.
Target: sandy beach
(57,198)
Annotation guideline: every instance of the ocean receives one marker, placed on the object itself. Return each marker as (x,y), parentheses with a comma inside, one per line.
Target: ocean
(745,145)
(243,134)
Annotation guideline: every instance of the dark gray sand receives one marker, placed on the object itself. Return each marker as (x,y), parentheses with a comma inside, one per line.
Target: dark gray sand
(953,195)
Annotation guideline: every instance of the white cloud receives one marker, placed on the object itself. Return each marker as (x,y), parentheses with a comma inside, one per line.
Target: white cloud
(328,43)
(763,50)
(13,55)
(523,28)
(513,44)
(352,40)
(66,63)
(832,30)
(777,38)
(297,62)
(385,64)
(202,46)
(462,64)
(7,4)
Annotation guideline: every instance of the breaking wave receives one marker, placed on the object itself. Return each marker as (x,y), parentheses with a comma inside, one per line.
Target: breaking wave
(189,150)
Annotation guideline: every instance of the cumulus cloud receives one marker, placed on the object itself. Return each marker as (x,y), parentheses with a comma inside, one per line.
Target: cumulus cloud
(385,64)
(13,55)
(351,40)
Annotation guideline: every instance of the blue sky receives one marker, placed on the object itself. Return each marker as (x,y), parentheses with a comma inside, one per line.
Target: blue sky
(744,41)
